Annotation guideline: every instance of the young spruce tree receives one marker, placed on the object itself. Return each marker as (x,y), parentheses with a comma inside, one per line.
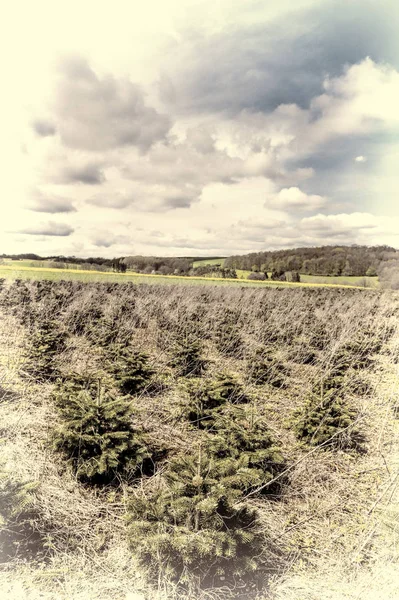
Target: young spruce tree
(97,436)
(130,368)
(191,528)
(46,341)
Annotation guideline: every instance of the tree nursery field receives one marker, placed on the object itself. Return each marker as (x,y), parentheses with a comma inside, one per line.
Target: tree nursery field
(191,442)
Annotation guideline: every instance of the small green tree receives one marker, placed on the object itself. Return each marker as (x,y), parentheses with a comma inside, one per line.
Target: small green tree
(187,357)
(18,536)
(326,418)
(227,339)
(130,368)
(263,367)
(206,396)
(97,436)
(192,529)
(242,434)
(46,342)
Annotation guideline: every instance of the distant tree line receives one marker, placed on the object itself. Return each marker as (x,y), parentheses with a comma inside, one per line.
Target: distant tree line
(388,273)
(213,271)
(324,260)
(158,265)
(359,261)
(67,260)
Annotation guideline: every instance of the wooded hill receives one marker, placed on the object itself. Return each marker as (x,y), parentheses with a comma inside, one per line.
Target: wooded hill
(324,260)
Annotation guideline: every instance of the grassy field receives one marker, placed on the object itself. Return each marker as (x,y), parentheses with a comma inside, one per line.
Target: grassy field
(364,282)
(367,282)
(31,269)
(27,272)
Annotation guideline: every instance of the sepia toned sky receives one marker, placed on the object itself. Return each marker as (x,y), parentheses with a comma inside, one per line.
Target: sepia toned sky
(198,127)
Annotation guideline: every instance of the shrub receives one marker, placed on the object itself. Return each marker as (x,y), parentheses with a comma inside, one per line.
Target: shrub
(355,354)
(302,354)
(240,433)
(264,368)
(278,275)
(317,335)
(187,357)
(189,528)
(130,368)
(102,330)
(227,339)
(18,537)
(257,276)
(327,419)
(45,343)
(97,436)
(205,397)
(292,276)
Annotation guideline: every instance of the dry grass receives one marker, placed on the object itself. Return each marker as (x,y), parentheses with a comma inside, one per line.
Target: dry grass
(87,555)
(334,533)
(354,553)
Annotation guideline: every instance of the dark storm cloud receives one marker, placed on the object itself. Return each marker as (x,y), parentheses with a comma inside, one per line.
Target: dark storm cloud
(101,113)
(43,128)
(283,62)
(49,203)
(50,228)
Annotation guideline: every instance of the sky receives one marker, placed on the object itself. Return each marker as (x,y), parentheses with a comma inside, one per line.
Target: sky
(198,127)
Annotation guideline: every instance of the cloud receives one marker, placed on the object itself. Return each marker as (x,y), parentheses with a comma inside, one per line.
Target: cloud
(43,127)
(95,113)
(49,203)
(266,123)
(201,139)
(147,197)
(103,239)
(178,197)
(49,229)
(255,231)
(90,173)
(111,199)
(361,159)
(360,101)
(284,61)
(340,224)
(294,198)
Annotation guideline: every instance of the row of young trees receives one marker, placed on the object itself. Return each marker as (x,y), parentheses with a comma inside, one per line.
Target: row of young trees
(190,520)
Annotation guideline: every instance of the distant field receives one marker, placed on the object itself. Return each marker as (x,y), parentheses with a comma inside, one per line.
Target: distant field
(364,282)
(21,263)
(17,271)
(76,272)
(367,282)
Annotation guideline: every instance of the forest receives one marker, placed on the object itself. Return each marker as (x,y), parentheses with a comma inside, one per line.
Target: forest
(324,260)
